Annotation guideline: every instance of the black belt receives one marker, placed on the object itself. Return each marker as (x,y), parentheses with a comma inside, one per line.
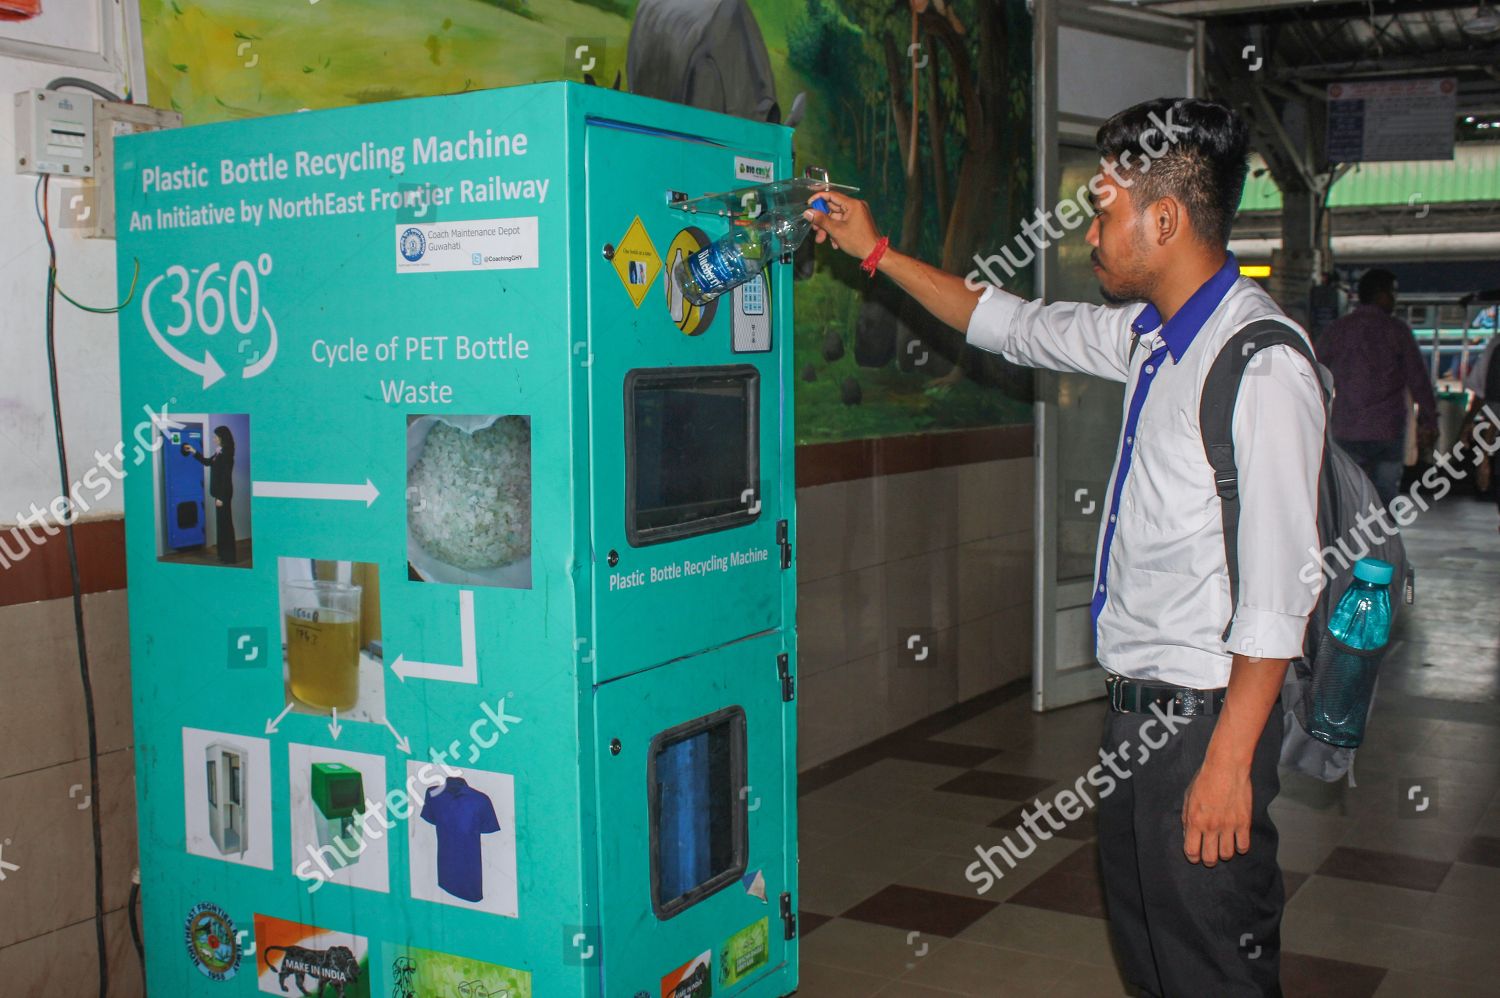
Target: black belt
(1134,696)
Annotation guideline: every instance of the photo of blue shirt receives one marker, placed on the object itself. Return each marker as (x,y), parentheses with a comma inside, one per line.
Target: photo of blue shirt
(461,815)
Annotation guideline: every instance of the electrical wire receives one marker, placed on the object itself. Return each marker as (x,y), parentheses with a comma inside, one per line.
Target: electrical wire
(135,923)
(96,309)
(89,85)
(113,308)
(77,584)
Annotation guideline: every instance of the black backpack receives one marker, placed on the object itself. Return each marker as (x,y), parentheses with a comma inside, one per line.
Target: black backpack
(1344,493)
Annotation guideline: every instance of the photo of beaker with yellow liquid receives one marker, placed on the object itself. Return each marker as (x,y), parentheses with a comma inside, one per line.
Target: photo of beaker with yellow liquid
(330,632)
(322,641)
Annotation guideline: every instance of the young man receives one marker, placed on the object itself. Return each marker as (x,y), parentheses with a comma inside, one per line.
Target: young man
(1187,846)
(1376,363)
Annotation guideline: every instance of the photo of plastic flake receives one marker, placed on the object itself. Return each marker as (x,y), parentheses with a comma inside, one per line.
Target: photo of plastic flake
(468,500)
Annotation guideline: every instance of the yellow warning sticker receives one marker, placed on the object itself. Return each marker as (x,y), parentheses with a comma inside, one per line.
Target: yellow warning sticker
(636,261)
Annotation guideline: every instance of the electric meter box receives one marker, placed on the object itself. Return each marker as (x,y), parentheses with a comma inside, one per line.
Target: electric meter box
(498,533)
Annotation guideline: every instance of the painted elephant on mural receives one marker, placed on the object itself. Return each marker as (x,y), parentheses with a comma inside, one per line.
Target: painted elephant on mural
(704,53)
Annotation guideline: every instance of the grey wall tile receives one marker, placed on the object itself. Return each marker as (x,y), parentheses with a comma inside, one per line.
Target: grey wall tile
(48,835)
(41,712)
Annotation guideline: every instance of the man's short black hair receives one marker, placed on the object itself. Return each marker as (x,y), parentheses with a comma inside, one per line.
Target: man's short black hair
(1374,283)
(1196,151)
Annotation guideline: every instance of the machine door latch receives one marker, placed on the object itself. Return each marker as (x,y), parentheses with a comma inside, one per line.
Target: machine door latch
(788,684)
(788,917)
(782,534)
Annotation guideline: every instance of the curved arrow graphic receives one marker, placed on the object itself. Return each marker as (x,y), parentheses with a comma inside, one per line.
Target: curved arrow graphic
(251,370)
(208,369)
(468,672)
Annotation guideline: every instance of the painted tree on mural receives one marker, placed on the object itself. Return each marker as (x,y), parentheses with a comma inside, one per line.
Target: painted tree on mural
(942,104)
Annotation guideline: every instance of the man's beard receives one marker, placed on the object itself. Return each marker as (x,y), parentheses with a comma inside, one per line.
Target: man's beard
(1124,293)
(1125,296)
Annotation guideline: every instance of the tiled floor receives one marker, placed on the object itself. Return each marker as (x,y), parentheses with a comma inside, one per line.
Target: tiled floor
(1385,899)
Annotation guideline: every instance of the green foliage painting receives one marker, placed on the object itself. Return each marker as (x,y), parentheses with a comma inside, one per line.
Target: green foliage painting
(925,105)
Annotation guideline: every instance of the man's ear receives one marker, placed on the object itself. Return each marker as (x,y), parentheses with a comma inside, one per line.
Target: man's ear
(1167,221)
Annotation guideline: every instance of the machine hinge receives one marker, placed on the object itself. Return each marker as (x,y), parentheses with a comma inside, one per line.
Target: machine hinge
(782,534)
(788,684)
(788,917)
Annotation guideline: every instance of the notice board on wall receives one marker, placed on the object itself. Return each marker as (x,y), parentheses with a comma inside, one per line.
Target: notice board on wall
(1391,120)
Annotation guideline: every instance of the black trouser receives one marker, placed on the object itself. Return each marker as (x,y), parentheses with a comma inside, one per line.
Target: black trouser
(224,526)
(1183,930)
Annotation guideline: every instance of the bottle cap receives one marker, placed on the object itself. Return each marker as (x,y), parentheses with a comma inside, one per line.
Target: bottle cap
(821,204)
(1374,571)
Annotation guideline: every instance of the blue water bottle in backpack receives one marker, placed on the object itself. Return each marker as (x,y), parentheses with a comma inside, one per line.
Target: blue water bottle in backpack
(1358,632)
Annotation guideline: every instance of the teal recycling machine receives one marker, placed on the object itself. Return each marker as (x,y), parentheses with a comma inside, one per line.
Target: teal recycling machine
(521,575)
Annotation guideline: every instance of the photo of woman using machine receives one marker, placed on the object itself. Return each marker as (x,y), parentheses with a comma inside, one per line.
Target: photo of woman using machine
(221,487)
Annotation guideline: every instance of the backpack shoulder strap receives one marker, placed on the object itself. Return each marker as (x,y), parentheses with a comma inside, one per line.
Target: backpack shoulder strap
(1221,389)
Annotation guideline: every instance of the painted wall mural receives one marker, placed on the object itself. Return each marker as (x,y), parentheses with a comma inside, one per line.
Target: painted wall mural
(925,105)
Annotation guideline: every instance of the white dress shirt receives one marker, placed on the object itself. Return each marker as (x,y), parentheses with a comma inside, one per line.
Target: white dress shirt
(1164,589)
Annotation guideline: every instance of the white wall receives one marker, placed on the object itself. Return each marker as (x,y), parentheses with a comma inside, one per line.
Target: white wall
(86,344)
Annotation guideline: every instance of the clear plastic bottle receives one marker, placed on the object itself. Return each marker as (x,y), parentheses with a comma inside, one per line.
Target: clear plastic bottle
(1343,685)
(738,255)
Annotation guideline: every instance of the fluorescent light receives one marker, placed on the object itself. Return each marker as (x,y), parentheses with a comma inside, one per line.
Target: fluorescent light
(1483,22)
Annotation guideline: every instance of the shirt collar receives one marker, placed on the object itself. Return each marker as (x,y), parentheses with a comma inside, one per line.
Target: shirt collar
(1179,331)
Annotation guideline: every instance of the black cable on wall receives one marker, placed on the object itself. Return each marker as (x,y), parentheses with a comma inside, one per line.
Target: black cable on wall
(83,654)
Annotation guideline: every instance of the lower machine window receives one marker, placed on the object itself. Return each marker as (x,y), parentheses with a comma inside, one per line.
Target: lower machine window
(691,451)
(699,838)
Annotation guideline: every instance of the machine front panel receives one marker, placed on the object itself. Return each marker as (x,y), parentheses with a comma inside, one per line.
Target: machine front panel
(693,859)
(686,410)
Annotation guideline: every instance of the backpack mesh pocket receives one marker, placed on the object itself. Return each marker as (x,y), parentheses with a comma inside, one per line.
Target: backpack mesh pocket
(1337,702)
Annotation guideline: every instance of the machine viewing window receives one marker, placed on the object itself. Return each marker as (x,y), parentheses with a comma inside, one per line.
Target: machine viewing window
(699,837)
(692,451)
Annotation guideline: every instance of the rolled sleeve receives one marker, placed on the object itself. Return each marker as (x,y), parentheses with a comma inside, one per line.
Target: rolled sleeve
(1063,336)
(1278,441)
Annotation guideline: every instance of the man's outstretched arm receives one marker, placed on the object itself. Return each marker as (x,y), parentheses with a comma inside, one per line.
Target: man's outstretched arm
(851,228)
(1063,336)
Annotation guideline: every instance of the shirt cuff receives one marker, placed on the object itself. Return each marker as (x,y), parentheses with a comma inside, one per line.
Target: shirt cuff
(990,322)
(1266,633)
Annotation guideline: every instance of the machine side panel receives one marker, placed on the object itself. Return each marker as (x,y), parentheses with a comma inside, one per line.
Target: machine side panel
(384,291)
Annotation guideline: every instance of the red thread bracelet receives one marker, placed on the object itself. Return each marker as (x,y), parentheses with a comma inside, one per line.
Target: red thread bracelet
(872,261)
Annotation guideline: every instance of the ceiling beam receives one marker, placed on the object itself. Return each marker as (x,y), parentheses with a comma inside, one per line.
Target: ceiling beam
(1282,10)
(1478,59)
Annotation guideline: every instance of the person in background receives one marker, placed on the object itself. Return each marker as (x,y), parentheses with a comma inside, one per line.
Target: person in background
(1375,363)
(221,489)
(1491,398)
(1483,383)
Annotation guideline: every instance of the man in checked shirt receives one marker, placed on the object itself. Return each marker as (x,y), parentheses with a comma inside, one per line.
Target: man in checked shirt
(1187,845)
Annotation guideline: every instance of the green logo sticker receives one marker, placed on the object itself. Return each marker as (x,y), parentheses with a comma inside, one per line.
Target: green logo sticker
(745,952)
(418,973)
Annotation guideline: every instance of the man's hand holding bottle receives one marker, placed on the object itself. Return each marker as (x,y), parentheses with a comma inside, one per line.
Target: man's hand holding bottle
(848,224)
